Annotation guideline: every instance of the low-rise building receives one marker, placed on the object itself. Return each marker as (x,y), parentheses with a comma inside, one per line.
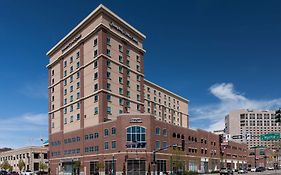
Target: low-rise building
(131,140)
(31,157)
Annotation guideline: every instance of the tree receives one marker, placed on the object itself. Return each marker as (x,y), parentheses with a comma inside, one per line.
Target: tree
(10,168)
(177,162)
(76,167)
(21,165)
(43,166)
(5,165)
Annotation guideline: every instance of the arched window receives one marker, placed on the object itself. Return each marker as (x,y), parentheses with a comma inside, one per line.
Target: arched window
(136,137)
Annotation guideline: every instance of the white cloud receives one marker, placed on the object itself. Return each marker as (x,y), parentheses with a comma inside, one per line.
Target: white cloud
(23,130)
(229,100)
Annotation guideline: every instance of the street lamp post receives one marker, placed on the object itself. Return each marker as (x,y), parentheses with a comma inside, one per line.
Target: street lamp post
(113,172)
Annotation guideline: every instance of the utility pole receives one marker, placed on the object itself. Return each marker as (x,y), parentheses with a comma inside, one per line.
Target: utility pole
(154,156)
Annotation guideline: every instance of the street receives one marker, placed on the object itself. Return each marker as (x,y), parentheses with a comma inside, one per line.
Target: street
(277,172)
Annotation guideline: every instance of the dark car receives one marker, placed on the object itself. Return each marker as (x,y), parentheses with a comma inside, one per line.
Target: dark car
(225,171)
(260,169)
(13,173)
(3,172)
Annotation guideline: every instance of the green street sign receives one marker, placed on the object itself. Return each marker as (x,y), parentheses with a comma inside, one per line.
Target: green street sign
(270,136)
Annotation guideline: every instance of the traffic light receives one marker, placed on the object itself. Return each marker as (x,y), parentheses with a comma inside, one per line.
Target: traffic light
(221,138)
(182,144)
(278,116)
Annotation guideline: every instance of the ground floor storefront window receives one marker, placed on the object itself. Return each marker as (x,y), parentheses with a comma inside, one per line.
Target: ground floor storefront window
(110,167)
(67,168)
(94,168)
(161,166)
(192,166)
(136,167)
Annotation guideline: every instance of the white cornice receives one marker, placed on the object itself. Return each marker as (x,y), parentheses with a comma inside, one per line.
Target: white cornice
(94,12)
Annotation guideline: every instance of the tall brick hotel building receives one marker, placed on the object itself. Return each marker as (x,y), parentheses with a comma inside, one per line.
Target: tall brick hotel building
(104,116)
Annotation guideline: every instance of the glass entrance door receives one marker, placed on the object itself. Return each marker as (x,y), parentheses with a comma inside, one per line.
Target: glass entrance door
(136,167)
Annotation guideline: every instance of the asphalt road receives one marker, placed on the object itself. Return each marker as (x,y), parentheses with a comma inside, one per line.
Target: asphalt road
(273,172)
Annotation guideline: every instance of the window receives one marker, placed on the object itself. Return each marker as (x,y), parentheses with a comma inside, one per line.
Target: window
(113,144)
(71,119)
(165,132)
(108,40)
(77,75)
(108,97)
(108,52)
(136,137)
(108,85)
(77,65)
(78,105)
(77,55)
(121,48)
(157,145)
(137,58)
(95,75)
(96,98)
(120,80)
(108,63)
(96,42)
(108,110)
(121,69)
(65,63)
(108,74)
(96,110)
(106,147)
(120,59)
(78,117)
(65,120)
(120,91)
(128,63)
(121,101)
(96,64)
(78,85)
(113,131)
(106,132)
(157,131)
(128,52)
(96,87)
(95,53)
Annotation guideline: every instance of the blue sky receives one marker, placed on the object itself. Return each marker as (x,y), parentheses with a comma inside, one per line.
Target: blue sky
(221,55)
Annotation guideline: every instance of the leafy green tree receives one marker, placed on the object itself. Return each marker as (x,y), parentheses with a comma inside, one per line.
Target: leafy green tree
(5,165)
(10,168)
(43,166)
(21,165)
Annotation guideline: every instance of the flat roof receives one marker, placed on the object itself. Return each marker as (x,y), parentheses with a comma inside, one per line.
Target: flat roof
(100,7)
(184,99)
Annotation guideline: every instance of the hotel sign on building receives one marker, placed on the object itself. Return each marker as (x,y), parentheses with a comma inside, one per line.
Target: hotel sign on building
(68,45)
(124,32)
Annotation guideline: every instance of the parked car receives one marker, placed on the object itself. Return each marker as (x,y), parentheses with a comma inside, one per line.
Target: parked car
(3,172)
(225,171)
(260,169)
(27,172)
(242,171)
(253,169)
(41,173)
(270,168)
(13,173)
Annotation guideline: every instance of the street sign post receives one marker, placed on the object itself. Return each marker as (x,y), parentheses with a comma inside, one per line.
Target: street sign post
(237,137)
(270,136)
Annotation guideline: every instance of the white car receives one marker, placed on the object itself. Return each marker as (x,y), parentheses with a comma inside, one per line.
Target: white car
(242,171)
(253,169)
(270,168)
(28,172)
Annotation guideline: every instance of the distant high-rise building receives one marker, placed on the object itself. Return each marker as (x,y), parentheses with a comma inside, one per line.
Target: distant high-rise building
(251,124)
